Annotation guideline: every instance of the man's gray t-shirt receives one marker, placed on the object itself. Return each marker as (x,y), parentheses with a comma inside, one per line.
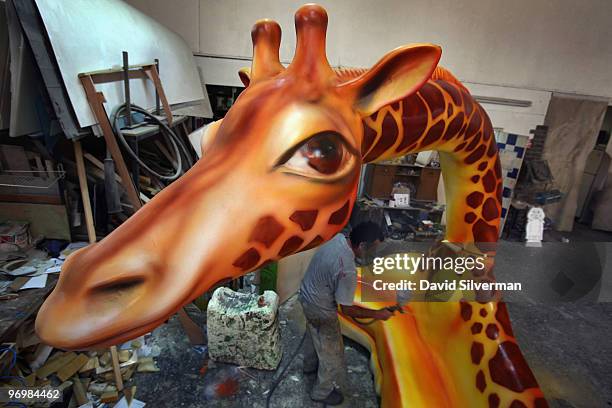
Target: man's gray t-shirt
(331,278)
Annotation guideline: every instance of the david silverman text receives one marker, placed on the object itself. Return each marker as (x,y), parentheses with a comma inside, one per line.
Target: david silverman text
(467,284)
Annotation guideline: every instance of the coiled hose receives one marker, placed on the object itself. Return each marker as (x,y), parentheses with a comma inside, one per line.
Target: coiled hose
(175,141)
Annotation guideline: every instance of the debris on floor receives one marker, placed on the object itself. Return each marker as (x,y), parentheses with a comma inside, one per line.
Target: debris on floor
(85,378)
(243,329)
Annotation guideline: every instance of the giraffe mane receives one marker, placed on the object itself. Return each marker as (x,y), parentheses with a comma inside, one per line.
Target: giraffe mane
(345,74)
(445,75)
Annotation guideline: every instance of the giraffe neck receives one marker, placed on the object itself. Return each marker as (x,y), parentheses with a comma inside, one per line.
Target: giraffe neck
(443,116)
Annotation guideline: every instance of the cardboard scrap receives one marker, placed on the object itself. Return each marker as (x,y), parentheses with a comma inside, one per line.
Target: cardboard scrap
(18,283)
(105,358)
(147,365)
(124,355)
(35,282)
(97,388)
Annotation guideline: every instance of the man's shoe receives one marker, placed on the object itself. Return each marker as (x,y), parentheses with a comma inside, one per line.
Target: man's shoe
(334,398)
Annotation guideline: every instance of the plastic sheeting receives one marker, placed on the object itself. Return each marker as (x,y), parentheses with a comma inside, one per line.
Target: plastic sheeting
(573,124)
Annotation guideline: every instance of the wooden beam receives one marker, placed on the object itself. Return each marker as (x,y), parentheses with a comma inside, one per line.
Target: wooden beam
(114,70)
(193,331)
(96,100)
(94,160)
(89,222)
(116,369)
(152,73)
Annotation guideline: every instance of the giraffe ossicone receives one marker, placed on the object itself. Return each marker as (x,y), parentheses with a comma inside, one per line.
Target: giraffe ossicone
(279,175)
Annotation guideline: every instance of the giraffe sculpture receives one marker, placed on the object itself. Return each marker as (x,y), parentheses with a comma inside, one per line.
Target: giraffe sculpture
(279,175)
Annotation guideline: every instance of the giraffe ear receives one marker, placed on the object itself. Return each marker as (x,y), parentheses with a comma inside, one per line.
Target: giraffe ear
(245,76)
(398,74)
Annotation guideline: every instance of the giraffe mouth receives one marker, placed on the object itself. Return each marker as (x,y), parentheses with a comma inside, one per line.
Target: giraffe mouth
(121,338)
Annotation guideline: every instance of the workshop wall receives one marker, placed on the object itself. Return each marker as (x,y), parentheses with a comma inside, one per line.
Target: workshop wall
(522,56)
(523,49)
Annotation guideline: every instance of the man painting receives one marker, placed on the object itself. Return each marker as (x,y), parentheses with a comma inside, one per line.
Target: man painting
(329,281)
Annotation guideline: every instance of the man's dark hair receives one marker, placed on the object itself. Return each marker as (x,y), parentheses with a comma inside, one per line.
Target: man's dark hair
(367,232)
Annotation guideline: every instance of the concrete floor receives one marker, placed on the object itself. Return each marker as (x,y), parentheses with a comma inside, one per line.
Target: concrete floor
(562,323)
(181,384)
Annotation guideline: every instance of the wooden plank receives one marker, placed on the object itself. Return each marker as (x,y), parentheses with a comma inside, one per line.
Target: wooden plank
(54,365)
(166,153)
(73,367)
(78,154)
(116,369)
(154,75)
(94,160)
(110,396)
(31,199)
(103,78)
(92,364)
(79,391)
(95,102)
(30,380)
(136,67)
(193,331)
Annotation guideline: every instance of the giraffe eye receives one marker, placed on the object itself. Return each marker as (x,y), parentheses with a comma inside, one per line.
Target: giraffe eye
(323,155)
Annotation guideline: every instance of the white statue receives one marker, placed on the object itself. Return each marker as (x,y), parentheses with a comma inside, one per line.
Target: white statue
(535,227)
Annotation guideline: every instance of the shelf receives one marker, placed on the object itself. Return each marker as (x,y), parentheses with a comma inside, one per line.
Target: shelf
(417,166)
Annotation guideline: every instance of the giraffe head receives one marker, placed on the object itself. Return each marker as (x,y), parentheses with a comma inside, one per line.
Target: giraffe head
(279,175)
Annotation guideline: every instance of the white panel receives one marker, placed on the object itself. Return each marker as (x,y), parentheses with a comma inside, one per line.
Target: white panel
(89,35)
(218,71)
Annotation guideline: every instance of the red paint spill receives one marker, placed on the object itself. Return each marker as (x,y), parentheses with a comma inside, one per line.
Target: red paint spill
(227,388)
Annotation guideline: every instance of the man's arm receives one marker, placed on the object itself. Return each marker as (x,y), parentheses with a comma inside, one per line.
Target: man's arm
(360,312)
